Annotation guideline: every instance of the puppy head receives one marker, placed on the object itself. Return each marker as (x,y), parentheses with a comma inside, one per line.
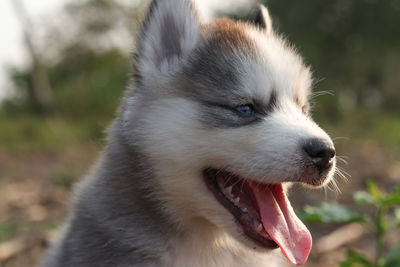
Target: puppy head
(222,110)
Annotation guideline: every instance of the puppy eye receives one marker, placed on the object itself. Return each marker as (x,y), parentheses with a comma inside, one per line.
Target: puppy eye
(245,110)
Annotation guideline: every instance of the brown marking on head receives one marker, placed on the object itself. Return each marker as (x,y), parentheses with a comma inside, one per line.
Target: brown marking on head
(229,35)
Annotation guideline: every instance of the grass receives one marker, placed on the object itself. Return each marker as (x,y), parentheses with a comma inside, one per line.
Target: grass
(33,132)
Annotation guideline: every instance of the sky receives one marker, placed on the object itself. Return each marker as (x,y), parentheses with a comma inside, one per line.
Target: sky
(11,42)
(12,51)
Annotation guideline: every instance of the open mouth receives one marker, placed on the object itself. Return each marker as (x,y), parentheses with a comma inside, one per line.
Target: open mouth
(263,212)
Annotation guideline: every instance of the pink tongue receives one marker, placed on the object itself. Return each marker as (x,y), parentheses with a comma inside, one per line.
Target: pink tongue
(282,224)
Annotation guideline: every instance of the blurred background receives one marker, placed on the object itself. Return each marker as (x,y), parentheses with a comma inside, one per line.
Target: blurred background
(65,64)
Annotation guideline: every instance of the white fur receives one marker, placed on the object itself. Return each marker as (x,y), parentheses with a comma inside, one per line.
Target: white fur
(266,18)
(277,67)
(205,246)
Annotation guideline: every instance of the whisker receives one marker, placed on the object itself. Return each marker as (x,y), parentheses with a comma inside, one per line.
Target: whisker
(326,192)
(341,159)
(333,187)
(321,93)
(339,171)
(343,172)
(336,187)
(317,81)
(329,187)
(339,174)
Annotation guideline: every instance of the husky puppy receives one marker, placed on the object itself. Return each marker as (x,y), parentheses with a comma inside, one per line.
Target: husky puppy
(198,159)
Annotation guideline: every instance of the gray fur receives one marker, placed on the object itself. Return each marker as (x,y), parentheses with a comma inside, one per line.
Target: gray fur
(117,220)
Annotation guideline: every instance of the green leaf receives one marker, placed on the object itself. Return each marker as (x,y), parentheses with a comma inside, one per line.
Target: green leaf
(355,259)
(328,213)
(362,198)
(391,199)
(397,215)
(376,197)
(373,190)
(393,257)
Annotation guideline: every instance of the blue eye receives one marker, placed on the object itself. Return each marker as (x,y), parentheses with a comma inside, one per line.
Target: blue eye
(246,110)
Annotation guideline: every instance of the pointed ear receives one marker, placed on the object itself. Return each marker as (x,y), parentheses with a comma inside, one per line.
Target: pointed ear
(169,33)
(263,19)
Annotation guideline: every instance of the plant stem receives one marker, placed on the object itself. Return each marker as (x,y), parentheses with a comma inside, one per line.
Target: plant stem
(380,233)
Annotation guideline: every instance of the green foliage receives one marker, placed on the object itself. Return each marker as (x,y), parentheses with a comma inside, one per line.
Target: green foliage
(35,132)
(83,82)
(363,198)
(397,215)
(88,83)
(375,197)
(7,231)
(393,257)
(378,221)
(353,46)
(354,259)
(329,213)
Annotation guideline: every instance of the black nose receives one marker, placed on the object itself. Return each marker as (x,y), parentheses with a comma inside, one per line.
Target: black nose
(320,152)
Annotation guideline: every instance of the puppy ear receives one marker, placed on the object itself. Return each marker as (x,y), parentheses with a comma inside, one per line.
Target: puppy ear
(169,33)
(263,19)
